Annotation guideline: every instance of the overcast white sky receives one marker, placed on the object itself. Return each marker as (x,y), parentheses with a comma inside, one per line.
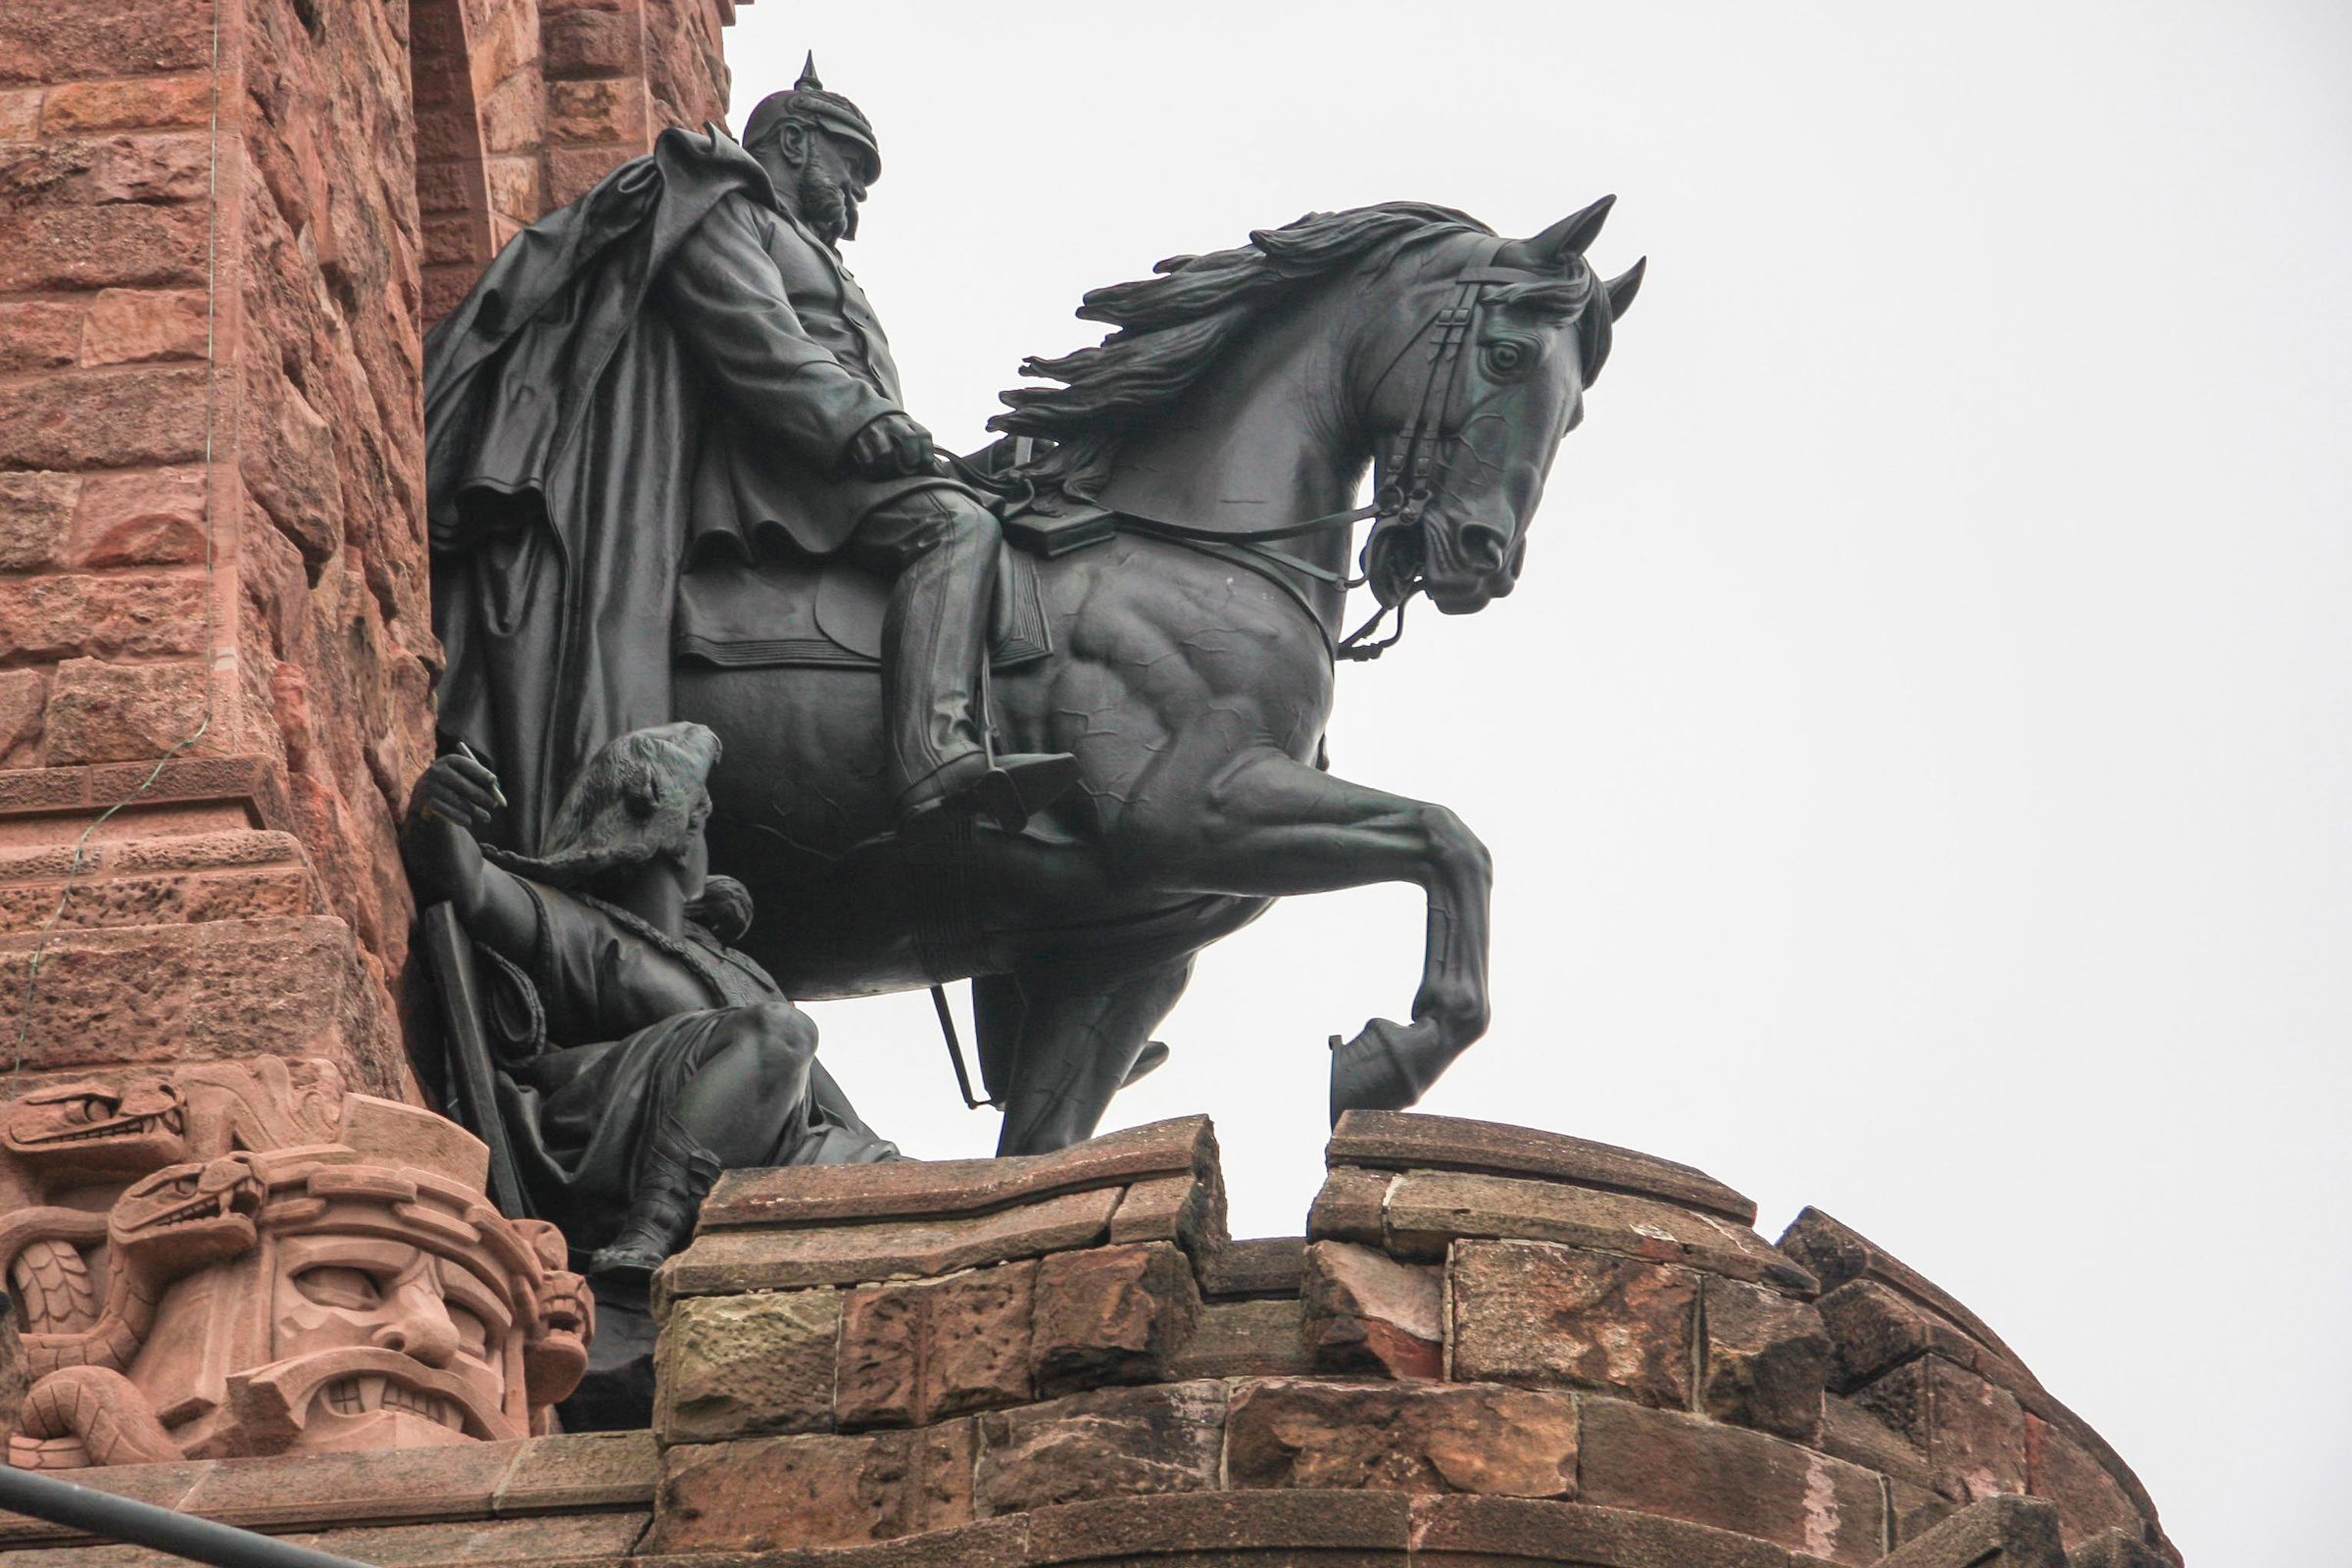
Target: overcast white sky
(1916,758)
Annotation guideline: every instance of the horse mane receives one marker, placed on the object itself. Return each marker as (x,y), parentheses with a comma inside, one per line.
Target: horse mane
(1170,328)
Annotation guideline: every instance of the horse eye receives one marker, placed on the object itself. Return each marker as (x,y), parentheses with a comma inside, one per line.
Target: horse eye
(1504,358)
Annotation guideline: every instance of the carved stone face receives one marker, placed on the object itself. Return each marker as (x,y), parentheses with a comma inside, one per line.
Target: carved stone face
(433,1339)
(307,1271)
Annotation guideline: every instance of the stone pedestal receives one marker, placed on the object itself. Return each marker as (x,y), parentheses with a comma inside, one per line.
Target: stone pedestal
(1493,1345)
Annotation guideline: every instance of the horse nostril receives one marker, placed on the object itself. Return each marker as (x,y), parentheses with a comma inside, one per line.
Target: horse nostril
(1485,547)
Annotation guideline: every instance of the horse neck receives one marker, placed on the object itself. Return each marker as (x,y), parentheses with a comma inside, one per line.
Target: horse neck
(1265,438)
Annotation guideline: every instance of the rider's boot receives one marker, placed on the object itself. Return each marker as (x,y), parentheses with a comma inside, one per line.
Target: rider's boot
(675,1176)
(933,639)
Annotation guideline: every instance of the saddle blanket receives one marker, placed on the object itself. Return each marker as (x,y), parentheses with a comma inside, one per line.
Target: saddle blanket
(805,612)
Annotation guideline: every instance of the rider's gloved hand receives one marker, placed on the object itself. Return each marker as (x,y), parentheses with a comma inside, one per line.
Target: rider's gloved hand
(890,446)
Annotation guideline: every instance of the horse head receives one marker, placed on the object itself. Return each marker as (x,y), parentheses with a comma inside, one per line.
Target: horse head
(1470,384)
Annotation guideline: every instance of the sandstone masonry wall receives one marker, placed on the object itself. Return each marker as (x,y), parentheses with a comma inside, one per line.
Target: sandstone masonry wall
(224,230)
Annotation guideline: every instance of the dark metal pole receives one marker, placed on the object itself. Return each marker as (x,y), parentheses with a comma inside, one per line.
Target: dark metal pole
(112,1518)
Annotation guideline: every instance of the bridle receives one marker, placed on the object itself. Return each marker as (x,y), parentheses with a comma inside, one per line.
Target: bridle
(1419,456)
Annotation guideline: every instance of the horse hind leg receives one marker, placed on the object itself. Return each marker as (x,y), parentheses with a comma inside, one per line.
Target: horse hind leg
(1072,1043)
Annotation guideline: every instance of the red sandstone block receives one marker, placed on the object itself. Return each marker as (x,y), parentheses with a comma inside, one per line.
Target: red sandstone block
(1188,1210)
(37,335)
(1969,1428)
(743,1366)
(45,43)
(1110,1443)
(397,1486)
(911,1355)
(581,1538)
(1540,1315)
(1396,1140)
(23,698)
(158,900)
(592,43)
(115,244)
(1111,1314)
(176,167)
(513,188)
(513,115)
(445,185)
(128,326)
(586,112)
(1245,1339)
(1494,1531)
(103,418)
(456,237)
(1688,1467)
(1269,1528)
(1764,1360)
(1363,1313)
(161,1485)
(768,1493)
(572,172)
(2090,1502)
(1836,1252)
(35,511)
(150,518)
(19,113)
(144,104)
(1401,1438)
(101,713)
(581,1470)
(1350,1207)
(1997,1532)
(63,617)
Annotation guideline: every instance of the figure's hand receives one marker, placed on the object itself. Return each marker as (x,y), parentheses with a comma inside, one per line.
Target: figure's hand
(890,446)
(457,790)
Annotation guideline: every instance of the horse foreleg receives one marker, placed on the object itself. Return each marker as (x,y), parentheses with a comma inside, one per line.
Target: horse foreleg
(1276,826)
(1079,1037)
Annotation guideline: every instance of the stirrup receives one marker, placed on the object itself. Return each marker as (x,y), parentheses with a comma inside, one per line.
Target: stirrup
(1015,788)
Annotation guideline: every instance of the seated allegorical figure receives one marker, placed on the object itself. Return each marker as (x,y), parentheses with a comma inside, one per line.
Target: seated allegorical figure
(639,1055)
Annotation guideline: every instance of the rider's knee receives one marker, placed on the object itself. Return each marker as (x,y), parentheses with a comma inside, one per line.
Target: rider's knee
(779,1036)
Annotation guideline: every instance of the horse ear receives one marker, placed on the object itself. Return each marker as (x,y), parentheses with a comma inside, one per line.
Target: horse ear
(1623,286)
(1568,237)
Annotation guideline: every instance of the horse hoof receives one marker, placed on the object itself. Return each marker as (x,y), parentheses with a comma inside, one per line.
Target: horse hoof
(1373,1071)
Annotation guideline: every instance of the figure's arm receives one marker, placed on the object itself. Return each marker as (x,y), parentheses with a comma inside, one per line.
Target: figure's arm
(725,297)
(452,799)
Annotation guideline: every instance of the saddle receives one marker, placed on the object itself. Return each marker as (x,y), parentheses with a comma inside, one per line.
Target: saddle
(809,613)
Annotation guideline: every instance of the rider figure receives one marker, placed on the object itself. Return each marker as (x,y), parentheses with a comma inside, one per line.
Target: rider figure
(927,533)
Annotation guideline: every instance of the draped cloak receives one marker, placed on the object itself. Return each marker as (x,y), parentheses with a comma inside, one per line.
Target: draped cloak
(670,367)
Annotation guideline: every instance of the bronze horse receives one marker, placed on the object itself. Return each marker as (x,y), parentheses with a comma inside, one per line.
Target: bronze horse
(1191,672)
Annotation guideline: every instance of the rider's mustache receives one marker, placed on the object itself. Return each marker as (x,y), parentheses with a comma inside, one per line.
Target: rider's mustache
(825,206)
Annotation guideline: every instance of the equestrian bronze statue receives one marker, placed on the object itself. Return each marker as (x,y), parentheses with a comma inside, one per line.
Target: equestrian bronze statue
(671,479)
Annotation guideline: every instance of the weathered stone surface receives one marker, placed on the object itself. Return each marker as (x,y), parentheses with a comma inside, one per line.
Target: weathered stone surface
(101,713)
(161,1485)
(1997,1532)
(1207,1529)
(1110,1443)
(35,512)
(769,1493)
(1395,1438)
(126,326)
(1351,1207)
(582,1470)
(1255,1336)
(1873,1327)
(726,1261)
(1764,1359)
(1490,1531)
(550,1537)
(135,104)
(1187,1209)
(1262,1265)
(591,43)
(1111,1314)
(101,418)
(149,519)
(1429,1209)
(2115,1548)
(1366,1314)
(740,1366)
(23,700)
(1540,1315)
(1836,1252)
(1688,1467)
(57,617)
(911,1355)
(1396,1140)
(2089,1500)
(809,1195)
(396,1485)
(1969,1428)
(38,335)
(205,990)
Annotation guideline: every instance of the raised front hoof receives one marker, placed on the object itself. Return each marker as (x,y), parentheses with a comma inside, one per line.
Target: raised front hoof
(1387,1067)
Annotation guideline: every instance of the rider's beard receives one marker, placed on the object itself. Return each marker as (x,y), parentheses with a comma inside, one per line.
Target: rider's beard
(825,205)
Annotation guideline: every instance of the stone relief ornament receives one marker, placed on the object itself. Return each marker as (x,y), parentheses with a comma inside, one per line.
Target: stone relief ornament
(240,1259)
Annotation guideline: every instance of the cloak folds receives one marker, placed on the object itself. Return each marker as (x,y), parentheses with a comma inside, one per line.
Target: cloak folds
(590,410)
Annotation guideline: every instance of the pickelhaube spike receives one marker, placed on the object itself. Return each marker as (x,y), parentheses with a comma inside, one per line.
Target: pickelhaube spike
(808,75)
(809,101)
